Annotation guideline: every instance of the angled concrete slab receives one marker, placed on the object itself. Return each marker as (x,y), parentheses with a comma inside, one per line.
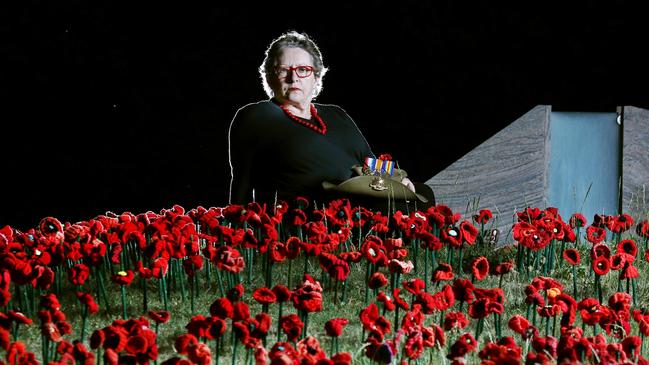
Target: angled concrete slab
(510,170)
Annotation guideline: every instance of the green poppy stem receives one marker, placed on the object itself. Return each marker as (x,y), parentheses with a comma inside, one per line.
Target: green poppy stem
(336,291)
(97,290)
(552,254)
(306,324)
(234,351)
(279,327)
(45,343)
(57,281)
(124,301)
(16,326)
(290,266)
(415,252)
(396,317)
(598,287)
(641,343)
(208,268)
(163,282)
(27,307)
(547,255)
(574,281)
(550,258)
(337,350)
(481,241)
(102,288)
(527,262)
(84,318)
(496,326)
(426,252)
(249,256)
(191,293)
(500,326)
(478,329)
(32,291)
(219,278)
(160,289)
(519,257)
(178,276)
(196,290)
(145,299)
(230,281)
(20,297)
(628,282)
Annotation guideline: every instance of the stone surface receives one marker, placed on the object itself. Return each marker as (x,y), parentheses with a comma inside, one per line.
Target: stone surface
(509,171)
(505,173)
(635,162)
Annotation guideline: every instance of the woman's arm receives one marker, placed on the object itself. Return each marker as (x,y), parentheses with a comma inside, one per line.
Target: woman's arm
(355,136)
(241,156)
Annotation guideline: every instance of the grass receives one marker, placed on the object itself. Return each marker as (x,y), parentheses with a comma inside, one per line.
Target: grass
(353,337)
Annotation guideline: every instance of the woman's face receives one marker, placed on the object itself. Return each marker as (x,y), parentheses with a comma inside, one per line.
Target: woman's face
(292,88)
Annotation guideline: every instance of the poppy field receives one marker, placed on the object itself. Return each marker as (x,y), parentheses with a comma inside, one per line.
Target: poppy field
(294,283)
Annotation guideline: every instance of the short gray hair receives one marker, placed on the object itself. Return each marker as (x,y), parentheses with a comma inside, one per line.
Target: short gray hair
(291,39)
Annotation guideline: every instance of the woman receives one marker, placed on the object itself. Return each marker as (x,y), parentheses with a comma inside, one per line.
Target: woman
(287,146)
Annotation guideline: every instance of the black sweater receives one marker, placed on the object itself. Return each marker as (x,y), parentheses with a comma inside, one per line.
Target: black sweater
(270,152)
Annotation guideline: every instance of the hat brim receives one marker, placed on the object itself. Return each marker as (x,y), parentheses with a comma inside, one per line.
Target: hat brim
(360,185)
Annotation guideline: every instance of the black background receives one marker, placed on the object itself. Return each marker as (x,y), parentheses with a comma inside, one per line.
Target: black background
(125,107)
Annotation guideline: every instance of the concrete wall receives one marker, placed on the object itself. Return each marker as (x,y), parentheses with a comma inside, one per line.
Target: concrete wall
(635,162)
(505,173)
(509,171)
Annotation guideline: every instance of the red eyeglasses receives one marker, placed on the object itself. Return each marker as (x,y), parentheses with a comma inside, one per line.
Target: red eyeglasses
(300,71)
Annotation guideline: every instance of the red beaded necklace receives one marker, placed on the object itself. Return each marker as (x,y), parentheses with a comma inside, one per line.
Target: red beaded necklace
(323,127)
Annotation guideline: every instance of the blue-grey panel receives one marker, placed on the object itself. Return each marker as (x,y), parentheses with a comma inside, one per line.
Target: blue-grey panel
(584,152)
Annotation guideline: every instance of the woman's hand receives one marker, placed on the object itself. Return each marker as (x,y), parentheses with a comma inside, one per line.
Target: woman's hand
(405,181)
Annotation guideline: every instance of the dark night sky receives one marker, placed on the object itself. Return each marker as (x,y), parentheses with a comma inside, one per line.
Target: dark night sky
(126,107)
